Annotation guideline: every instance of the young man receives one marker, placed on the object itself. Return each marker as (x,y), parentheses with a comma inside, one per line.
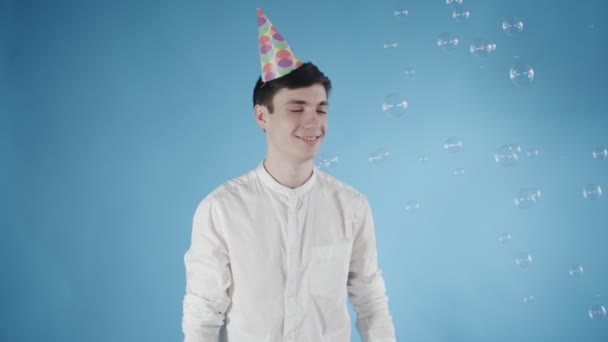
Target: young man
(275,252)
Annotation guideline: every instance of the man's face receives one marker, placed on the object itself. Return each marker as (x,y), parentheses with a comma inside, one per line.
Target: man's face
(298,124)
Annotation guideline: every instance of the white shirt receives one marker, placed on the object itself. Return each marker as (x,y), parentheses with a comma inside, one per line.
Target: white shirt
(268,263)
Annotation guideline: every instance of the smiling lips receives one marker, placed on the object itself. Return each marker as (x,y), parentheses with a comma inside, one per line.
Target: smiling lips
(309,139)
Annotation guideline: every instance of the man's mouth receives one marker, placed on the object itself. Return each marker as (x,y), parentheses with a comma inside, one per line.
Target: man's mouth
(309,138)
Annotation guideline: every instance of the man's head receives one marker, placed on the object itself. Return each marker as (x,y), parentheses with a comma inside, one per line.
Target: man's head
(292,110)
(304,76)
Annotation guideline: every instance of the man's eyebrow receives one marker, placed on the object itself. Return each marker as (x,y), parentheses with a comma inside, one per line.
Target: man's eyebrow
(322,103)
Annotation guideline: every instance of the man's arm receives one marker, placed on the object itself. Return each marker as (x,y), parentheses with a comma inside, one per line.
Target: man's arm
(207,277)
(365,283)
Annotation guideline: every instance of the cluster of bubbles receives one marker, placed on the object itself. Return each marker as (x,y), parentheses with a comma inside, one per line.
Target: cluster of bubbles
(521,74)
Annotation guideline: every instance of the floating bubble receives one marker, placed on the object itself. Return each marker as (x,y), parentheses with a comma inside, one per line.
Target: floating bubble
(423,159)
(527,198)
(325,161)
(523,260)
(576,271)
(411,207)
(448,41)
(452,145)
(512,26)
(600,153)
(453,2)
(521,74)
(409,72)
(507,155)
(459,172)
(504,238)
(378,156)
(592,191)
(460,13)
(390,45)
(482,47)
(533,153)
(528,299)
(597,311)
(394,105)
(401,13)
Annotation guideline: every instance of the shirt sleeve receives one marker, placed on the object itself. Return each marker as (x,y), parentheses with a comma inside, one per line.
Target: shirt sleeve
(365,285)
(208,277)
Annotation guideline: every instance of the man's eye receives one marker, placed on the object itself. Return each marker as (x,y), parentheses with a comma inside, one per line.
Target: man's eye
(296,110)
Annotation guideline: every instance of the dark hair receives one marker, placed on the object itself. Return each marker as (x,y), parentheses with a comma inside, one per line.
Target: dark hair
(304,76)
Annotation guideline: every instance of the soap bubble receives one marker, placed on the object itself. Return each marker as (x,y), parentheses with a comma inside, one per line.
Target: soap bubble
(325,161)
(448,41)
(533,153)
(504,238)
(390,45)
(394,105)
(576,271)
(592,191)
(452,145)
(528,299)
(597,311)
(423,158)
(523,260)
(521,74)
(527,198)
(453,2)
(401,13)
(600,153)
(507,155)
(459,172)
(482,47)
(411,207)
(378,156)
(460,13)
(512,26)
(409,72)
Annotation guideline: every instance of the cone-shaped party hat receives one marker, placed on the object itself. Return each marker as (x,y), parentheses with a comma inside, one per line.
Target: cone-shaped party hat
(276,56)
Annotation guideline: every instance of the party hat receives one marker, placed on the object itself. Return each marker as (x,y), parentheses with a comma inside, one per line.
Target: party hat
(276,56)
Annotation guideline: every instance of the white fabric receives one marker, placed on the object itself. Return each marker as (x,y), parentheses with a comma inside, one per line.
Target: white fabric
(268,263)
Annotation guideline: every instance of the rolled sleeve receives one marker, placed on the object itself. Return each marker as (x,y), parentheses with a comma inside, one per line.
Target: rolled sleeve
(208,277)
(365,285)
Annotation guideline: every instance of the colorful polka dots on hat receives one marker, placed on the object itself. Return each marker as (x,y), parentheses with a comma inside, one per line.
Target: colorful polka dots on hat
(276,56)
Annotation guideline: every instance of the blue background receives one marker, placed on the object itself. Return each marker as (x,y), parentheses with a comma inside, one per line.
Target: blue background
(118,117)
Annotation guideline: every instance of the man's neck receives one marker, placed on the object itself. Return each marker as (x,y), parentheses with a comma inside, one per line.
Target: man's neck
(287,173)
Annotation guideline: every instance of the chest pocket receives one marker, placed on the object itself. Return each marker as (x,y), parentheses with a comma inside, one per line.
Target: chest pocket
(329,267)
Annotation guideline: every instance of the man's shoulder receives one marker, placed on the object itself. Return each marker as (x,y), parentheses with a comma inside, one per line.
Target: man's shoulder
(338,186)
(232,187)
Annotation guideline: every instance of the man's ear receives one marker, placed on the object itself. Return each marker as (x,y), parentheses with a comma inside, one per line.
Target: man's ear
(259,113)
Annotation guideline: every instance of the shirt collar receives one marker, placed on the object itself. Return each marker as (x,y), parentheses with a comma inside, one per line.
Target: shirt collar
(269,181)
